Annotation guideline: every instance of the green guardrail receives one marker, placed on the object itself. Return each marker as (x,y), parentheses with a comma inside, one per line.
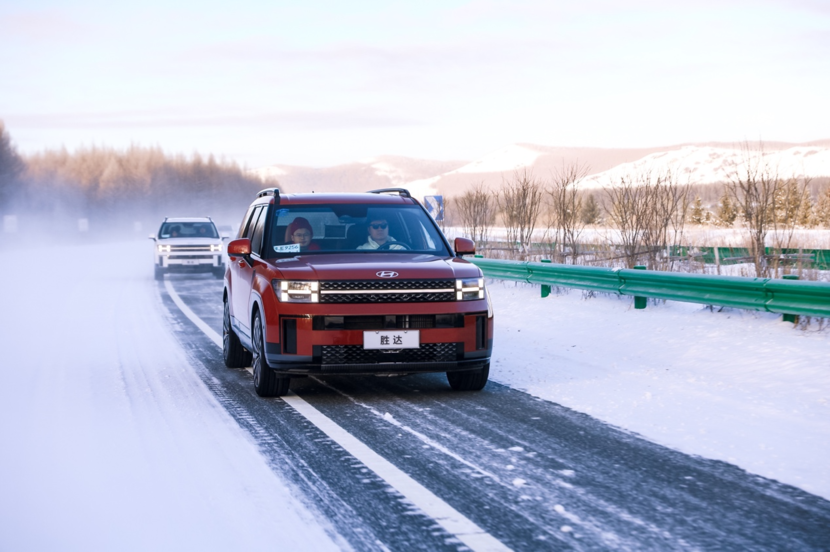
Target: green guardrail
(788,297)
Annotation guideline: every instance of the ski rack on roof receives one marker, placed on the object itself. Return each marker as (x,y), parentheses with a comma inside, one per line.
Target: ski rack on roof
(403,192)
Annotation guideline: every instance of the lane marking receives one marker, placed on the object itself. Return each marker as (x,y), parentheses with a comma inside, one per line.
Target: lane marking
(388,418)
(453,521)
(212,335)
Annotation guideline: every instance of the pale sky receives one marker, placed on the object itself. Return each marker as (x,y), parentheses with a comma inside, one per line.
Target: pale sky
(320,83)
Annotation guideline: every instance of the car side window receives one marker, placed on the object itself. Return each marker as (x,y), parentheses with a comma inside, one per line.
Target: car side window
(259,227)
(247,228)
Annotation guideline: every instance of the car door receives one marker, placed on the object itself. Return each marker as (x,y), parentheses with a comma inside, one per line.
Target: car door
(242,275)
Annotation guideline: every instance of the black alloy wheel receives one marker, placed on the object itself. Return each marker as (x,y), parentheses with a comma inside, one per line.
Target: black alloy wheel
(266,382)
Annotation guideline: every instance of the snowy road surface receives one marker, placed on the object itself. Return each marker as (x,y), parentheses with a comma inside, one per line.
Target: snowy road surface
(122,429)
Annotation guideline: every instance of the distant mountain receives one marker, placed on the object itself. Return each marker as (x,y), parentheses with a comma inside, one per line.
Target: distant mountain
(695,163)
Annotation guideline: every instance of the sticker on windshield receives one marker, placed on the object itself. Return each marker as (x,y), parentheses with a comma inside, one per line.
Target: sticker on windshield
(289,248)
(281,212)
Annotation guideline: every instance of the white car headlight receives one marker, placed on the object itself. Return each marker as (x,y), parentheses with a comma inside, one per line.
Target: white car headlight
(290,291)
(217,247)
(469,289)
(164,249)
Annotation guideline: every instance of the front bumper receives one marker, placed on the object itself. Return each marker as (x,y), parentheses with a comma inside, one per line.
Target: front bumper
(448,341)
(186,263)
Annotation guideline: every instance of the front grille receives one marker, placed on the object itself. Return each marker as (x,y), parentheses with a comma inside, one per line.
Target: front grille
(386,291)
(356,354)
(190,257)
(384,322)
(190,248)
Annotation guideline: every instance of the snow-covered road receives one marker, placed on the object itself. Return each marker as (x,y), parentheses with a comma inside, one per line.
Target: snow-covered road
(122,429)
(110,441)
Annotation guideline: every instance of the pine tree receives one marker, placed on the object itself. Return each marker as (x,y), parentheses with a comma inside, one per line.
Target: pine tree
(697,215)
(726,211)
(806,213)
(11,165)
(822,210)
(590,211)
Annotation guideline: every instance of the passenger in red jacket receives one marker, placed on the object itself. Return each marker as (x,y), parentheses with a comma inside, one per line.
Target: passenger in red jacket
(300,232)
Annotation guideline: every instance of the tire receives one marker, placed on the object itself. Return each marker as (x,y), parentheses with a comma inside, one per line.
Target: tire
(158,272)
(219,273)
(266,382)
(469,380)
(236,356)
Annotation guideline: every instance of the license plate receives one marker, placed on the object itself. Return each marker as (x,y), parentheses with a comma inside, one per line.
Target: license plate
(392,339)
(189,262)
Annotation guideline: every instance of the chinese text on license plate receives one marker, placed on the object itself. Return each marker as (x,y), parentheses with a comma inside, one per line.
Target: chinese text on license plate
(392,339)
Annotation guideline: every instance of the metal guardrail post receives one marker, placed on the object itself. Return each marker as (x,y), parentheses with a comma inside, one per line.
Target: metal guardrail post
(545,287)
(790,317)
(640,302)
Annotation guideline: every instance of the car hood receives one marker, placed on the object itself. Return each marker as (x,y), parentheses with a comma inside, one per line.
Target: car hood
(367,266)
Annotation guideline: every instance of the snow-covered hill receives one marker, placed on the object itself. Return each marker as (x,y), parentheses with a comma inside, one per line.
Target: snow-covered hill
(696,164)
(706,164)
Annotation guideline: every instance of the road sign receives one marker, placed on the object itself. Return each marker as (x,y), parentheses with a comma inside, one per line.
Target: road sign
(435,206)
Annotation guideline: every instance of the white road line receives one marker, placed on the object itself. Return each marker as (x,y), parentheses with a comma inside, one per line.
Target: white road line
(445,515)
(212,335)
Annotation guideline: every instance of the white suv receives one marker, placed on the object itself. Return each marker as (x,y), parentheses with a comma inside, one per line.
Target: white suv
(188,245)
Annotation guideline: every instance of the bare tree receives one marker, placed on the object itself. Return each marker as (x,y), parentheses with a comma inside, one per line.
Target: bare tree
(477,211)
(649,212)
(753,185)
(566,205)
(521,199)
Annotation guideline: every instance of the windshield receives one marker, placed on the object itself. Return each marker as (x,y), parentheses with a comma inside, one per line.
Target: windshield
(315,229)
(188,230)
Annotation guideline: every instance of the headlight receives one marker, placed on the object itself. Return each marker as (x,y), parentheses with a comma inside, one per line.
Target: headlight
(297,292)
(469,289)
(164,249)
(216,247)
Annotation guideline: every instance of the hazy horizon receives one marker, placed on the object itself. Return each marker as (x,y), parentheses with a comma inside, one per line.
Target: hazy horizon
(324,83)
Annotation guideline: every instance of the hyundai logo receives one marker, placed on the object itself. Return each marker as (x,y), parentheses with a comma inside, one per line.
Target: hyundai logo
(386,274)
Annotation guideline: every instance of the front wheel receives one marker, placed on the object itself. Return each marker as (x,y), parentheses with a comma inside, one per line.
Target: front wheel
(266,382)
(234,354)
(158,272)
(469,380)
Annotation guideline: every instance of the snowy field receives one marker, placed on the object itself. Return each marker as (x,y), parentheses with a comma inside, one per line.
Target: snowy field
(111,440)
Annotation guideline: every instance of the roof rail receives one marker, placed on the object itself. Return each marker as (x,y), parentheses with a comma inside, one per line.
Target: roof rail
(269,191)
(403,192)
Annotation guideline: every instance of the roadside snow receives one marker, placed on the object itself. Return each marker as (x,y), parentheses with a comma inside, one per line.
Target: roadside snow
(110,441)
(737,386)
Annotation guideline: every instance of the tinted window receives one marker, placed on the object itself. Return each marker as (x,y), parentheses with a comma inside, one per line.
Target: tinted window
(345,228)
(188,230)
(256,239)
(247,229)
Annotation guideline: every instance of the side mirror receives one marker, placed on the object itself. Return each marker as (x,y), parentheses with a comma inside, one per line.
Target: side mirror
(225,237)
(239,248)
(153,237)
(464,246)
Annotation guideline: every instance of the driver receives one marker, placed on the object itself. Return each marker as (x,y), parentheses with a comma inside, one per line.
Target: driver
(379,235)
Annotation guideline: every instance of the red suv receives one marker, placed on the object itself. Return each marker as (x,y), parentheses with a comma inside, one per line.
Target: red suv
(362,284)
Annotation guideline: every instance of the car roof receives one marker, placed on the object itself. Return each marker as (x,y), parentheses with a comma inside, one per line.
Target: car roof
(314,199)
(187,219)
